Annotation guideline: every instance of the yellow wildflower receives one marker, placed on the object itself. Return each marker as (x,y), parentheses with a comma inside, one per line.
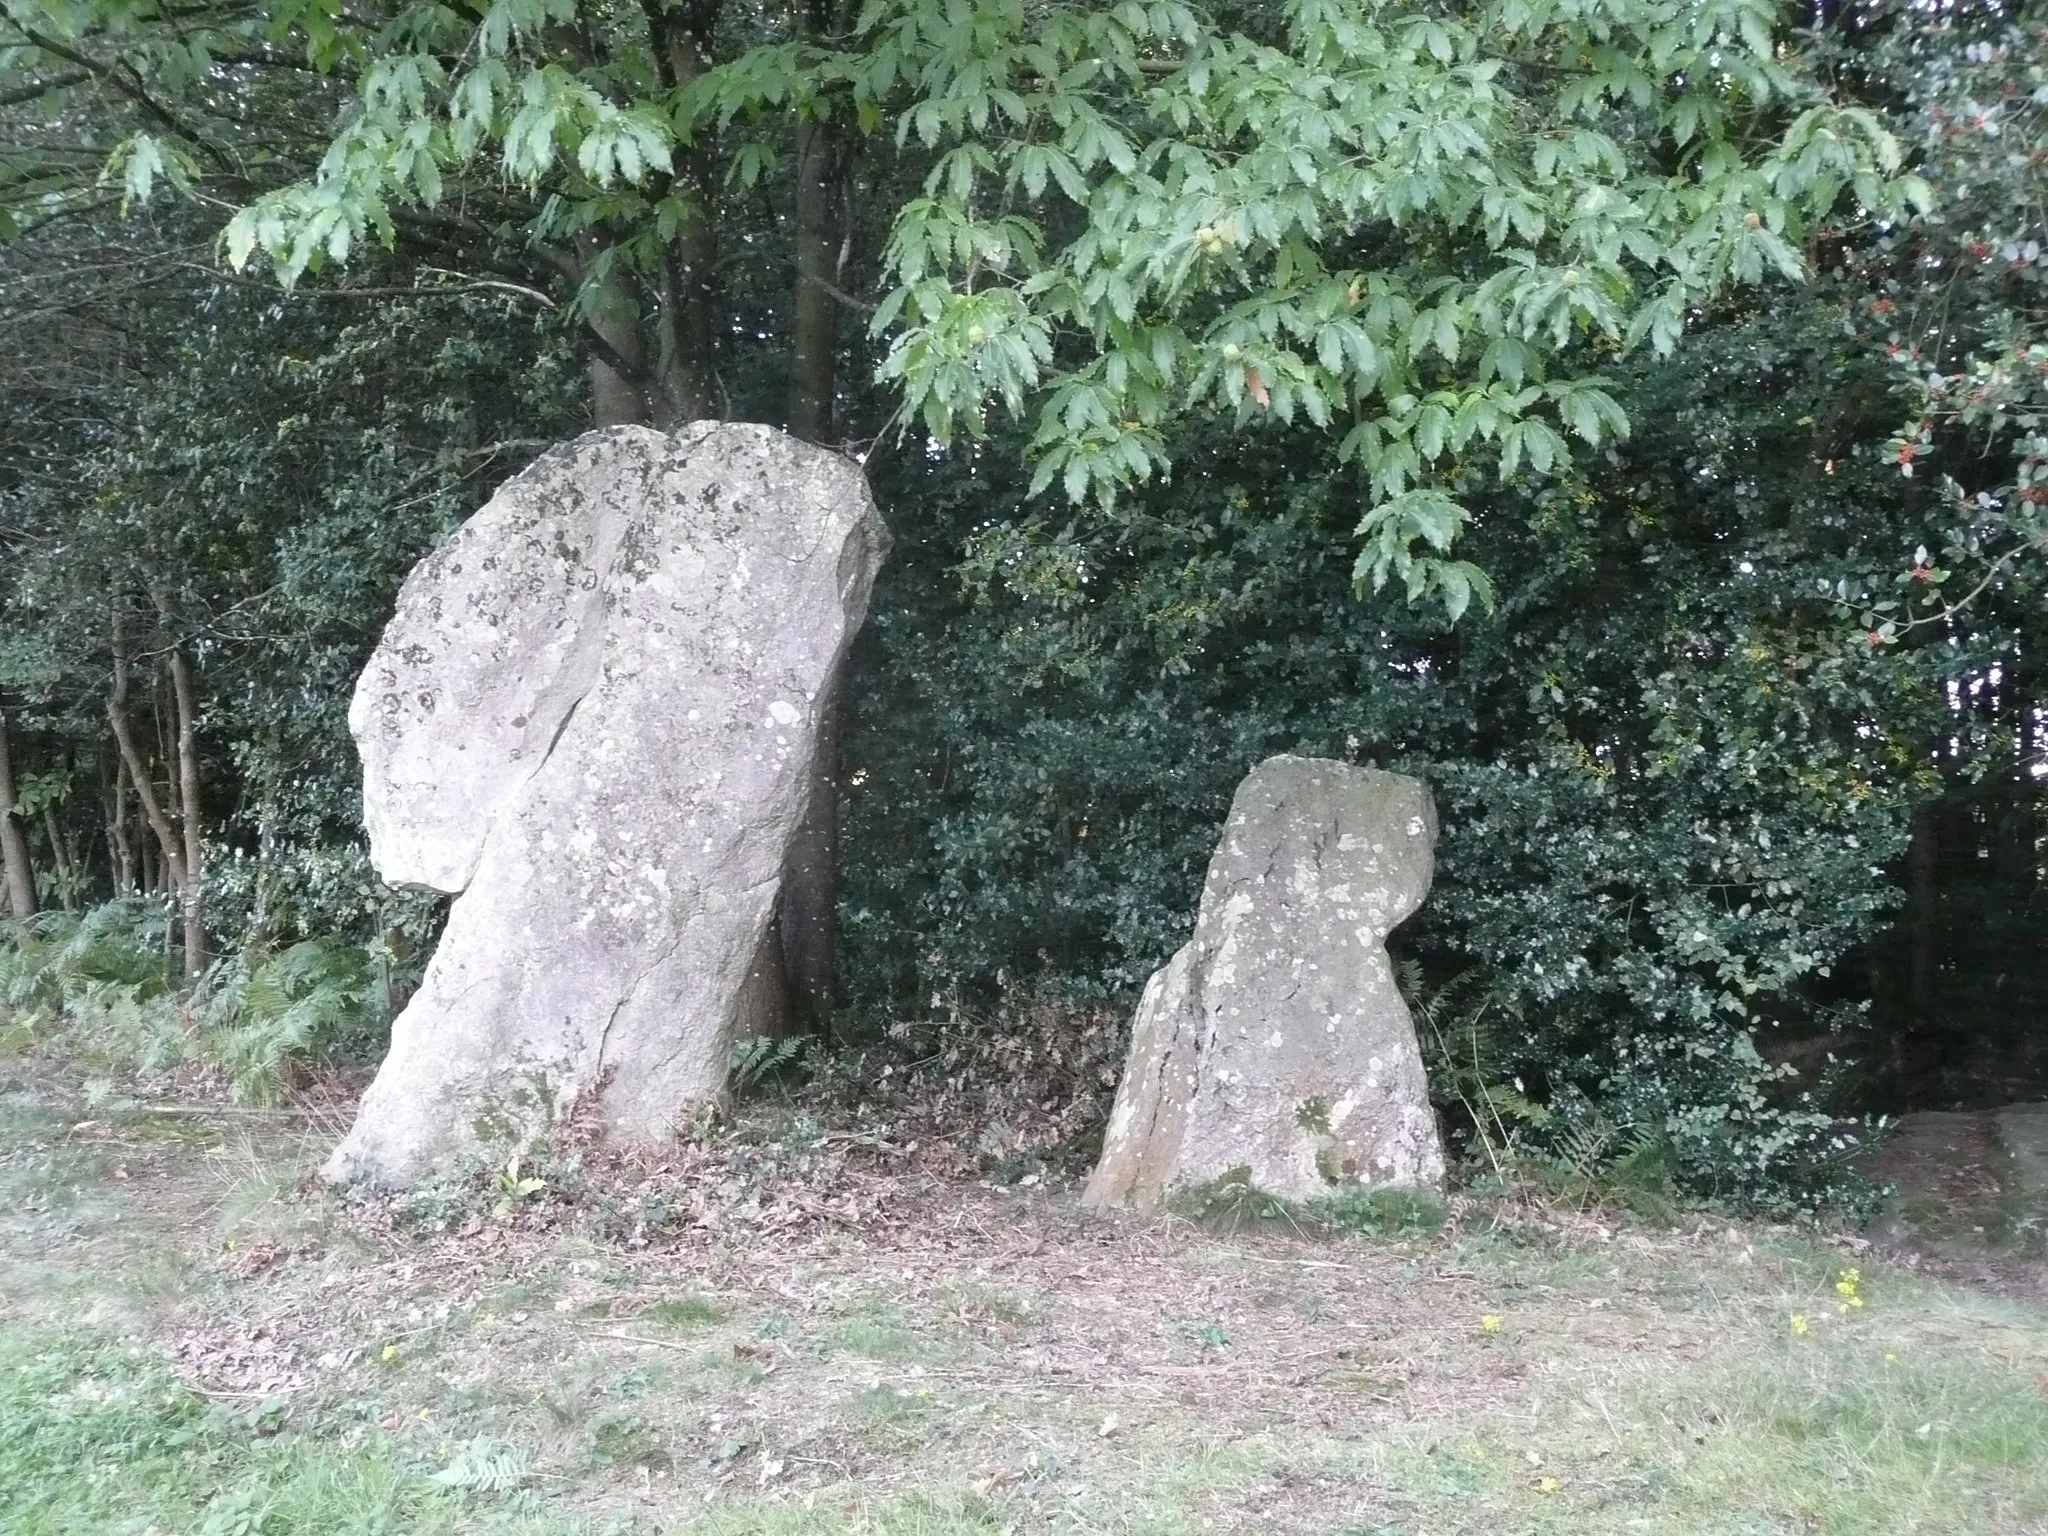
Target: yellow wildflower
(1798,1323)
(1847,1287)
(1489,1324)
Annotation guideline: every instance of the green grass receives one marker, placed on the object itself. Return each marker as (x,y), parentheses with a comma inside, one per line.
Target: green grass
(96,1436)
(1157,1380)
(1827,1438)
(872,1327)
(682,1313)
(1834,1436)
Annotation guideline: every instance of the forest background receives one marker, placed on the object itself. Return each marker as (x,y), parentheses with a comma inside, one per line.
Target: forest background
(1626,416)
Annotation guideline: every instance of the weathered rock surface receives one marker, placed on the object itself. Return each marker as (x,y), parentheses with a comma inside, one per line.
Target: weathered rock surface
(1274,1046)
(595,715)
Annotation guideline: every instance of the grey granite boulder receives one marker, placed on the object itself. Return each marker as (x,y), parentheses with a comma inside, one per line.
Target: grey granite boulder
(1274,1047)
(595,715)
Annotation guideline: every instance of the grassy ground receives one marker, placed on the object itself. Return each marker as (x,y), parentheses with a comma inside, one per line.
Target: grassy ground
(189,1343)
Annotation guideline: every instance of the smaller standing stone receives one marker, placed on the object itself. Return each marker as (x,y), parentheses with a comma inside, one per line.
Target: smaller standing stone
(1275,1046)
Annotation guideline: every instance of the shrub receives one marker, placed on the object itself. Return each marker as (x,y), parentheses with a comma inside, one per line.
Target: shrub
(1673,784)
(265,1021)
(103,987)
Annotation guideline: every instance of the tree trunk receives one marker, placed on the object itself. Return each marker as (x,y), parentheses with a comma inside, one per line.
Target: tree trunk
(618,370)
(807,919)
(120,851)
(190,895)
(260,916)
(1923,867)
(21,880)
(807,916)
(171,854)
(688,338)
(170,857)
(61,862)
(677,344)
(813,358)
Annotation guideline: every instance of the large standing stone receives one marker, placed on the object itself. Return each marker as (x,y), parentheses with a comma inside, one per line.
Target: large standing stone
(595,714)
(1275,1045)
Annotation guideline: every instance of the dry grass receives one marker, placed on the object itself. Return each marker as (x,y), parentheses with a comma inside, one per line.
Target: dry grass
(956,1358)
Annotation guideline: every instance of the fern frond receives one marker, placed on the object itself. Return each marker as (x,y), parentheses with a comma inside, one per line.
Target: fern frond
(483,1467)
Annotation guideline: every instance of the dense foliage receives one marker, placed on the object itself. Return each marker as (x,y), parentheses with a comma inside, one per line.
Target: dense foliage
(1673,783)
(1181,344)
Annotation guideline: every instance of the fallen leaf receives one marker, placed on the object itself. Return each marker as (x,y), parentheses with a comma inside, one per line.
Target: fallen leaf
(989,1479)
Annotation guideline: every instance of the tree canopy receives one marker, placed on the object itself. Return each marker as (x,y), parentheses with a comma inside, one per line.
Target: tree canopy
(1422,230)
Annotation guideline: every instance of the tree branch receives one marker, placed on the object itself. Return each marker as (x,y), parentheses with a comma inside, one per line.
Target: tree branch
(129,84)
(468,285)
(28,93)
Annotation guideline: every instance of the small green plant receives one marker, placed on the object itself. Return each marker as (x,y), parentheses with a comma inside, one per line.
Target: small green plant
(1464,1055)
(1230,1202)
(104,980)
(58,956)
(483,1466)
(490,1182)
(1573,1150)
(619,1439)
(759,1059)
(517,1181)
(1380,1211)
(238,1512)
(1593,1160)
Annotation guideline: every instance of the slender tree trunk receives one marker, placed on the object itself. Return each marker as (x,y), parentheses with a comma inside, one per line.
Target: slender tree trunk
(266,859)
(21,880)
(808,919)
(1923,867)
(120,851)
(170,861)
(170,849)
(688,337)
(170,856)
(190,894)
(61,863)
